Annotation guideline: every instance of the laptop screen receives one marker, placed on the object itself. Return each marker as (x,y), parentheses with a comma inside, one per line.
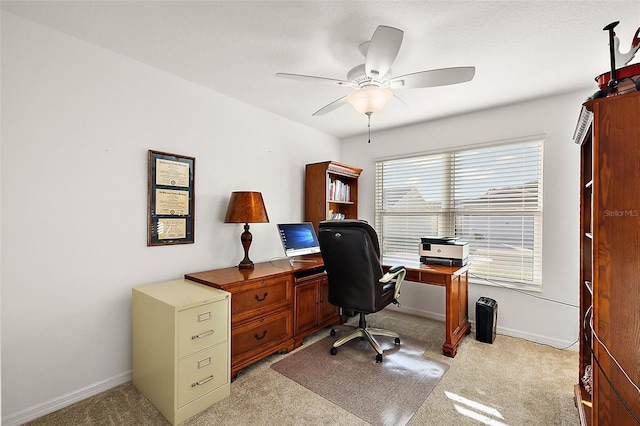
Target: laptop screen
(298,238)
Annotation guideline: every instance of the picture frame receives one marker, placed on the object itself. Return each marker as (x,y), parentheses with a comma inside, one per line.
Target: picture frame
(170,199)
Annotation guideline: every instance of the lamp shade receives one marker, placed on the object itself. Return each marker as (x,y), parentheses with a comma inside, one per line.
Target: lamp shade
(246,207)
(369,99)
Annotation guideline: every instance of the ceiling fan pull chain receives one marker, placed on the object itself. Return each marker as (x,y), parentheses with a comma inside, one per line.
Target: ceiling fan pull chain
(369,125)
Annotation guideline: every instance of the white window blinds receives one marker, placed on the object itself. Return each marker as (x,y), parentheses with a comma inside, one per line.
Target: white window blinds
(490,197)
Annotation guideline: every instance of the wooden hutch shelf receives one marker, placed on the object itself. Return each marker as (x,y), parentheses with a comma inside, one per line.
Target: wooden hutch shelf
(331,192)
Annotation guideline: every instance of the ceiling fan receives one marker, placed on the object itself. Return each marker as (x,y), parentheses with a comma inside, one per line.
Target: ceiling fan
(372,81)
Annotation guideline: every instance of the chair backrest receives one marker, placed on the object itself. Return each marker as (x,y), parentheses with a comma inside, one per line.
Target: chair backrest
(351,255)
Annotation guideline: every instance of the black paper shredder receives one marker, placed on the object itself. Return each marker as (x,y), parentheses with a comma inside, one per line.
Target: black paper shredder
(486,319)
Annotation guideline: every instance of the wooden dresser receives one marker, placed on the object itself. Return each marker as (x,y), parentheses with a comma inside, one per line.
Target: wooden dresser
(264,311)
(609,362)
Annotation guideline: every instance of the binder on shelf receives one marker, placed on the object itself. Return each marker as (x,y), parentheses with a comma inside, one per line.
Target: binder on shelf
(339,191)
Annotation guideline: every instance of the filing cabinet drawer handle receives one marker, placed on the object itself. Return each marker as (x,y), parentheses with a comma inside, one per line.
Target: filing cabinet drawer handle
(204,362)
(260,337)
(204,316)
(202,382)
(200,336)
(263,297)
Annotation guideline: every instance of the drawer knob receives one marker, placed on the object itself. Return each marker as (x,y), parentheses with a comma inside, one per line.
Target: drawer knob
(202,382)
(201,335)
(264,333)
(263,297)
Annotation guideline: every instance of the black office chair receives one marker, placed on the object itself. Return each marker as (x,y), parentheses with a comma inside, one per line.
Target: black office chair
(351,255)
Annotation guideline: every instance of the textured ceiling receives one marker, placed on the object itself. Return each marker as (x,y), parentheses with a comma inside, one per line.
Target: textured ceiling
(521,49)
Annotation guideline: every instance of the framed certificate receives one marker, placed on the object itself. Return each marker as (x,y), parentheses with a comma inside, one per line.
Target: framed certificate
(171,199)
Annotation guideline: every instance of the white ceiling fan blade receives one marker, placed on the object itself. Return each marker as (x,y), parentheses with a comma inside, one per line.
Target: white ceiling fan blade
(311,78)
(382,51)
(332,106)
(402,102)
(433,78)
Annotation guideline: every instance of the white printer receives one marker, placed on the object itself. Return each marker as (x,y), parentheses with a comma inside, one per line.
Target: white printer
(443,251)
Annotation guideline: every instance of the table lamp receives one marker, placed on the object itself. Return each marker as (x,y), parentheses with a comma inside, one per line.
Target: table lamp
(246,207)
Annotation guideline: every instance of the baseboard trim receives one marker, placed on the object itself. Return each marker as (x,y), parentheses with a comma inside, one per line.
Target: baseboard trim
(63,401)
(535,338)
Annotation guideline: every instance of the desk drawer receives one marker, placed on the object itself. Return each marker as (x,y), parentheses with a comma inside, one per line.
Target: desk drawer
(426,277)
(257,335)
(201,373)
(261,297)
(413,276)
(434,278)
(201,327)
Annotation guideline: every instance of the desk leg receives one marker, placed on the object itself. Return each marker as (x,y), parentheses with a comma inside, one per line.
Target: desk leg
(457,314)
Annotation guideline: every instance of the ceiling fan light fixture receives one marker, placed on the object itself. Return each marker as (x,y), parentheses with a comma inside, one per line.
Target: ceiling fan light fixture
(369,99)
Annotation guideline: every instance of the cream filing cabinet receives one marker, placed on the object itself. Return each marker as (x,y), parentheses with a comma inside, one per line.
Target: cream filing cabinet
(181,346)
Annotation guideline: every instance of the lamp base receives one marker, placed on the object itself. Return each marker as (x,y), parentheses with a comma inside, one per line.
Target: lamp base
(245,264)
(246,239)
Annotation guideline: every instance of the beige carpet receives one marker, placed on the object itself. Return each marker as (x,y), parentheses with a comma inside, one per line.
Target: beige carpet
(511,382)
(393,389)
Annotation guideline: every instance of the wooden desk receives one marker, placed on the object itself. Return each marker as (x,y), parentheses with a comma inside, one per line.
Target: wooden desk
(455,281)
(273,306)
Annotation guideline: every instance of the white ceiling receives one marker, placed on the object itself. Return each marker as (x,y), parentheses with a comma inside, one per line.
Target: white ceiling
(521,49)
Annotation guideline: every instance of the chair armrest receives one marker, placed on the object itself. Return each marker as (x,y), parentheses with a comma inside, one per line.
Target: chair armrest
(397,274)
(395,269)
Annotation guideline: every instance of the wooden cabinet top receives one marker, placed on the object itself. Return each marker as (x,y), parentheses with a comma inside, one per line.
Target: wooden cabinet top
(226,278)
(337,168)
(612,99)
(229,277)
(619,102)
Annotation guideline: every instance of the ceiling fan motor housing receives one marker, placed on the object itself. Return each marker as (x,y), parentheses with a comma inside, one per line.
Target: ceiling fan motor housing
(359,76)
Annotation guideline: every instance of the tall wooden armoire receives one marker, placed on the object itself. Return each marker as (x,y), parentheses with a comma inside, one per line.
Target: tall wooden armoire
(609,372)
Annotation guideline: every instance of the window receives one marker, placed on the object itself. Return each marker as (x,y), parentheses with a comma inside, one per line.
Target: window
(490,197)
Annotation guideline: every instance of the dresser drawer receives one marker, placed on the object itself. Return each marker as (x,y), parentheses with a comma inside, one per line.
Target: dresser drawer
(201,327)
(201,373)
(261,333)
(261,297)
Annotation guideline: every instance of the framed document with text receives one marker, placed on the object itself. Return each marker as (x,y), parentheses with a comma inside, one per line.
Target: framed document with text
(171,199)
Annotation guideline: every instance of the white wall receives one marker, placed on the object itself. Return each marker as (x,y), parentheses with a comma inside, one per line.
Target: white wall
(555,117)
(77,122)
